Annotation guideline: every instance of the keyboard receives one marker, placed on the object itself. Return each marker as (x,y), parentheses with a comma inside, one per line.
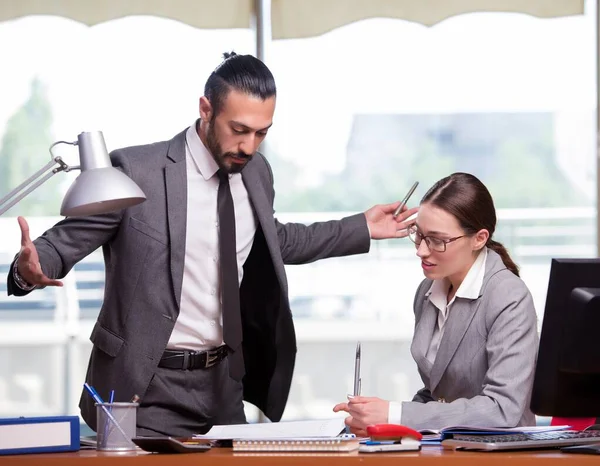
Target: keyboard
(521,441)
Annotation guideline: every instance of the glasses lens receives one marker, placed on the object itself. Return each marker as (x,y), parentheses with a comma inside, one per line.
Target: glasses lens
(438,246)
(412,234)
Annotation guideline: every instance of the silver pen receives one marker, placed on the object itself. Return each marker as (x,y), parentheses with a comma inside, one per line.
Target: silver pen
(357,371)
(406,198)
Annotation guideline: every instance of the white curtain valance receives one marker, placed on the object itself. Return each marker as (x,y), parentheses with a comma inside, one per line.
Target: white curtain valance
(290,18)
(205,14)
(306,18)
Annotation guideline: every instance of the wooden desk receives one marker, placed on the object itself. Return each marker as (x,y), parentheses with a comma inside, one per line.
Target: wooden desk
(429,456)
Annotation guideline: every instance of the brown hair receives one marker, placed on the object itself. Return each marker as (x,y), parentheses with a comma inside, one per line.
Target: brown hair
(465,197)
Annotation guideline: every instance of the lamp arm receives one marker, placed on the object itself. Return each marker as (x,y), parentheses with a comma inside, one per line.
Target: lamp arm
(16,195)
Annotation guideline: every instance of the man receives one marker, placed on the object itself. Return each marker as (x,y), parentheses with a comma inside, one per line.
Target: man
(169,330)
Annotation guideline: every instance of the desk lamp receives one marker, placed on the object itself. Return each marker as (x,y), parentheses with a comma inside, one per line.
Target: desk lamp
(100,188)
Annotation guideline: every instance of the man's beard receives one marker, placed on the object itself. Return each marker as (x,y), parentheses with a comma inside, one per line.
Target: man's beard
(214,147)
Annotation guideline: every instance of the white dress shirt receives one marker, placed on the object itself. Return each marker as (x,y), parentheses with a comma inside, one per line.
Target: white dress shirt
(438,295)
(200,322)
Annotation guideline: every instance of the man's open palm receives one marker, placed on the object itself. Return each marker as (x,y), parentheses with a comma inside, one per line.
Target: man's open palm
(28,263)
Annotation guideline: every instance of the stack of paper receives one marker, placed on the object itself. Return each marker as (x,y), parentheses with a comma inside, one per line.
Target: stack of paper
(277,430)
(309,436)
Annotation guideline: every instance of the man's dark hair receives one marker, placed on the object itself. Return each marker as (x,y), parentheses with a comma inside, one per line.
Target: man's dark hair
(243,73)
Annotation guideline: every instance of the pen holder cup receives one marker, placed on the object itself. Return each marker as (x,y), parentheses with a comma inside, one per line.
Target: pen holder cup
(115,426)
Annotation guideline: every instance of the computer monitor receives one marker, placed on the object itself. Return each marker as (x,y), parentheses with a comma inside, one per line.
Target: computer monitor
(567,376)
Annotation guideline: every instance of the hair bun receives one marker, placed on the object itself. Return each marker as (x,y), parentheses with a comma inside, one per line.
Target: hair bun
(227,55)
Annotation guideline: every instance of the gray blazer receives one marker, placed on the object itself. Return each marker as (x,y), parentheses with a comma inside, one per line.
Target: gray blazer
(483,372)
(144,250)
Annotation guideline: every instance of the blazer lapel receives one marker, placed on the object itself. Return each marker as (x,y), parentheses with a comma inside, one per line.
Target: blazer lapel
(423,333)
(264,211)
(461,315)
(459,319)
(176,188)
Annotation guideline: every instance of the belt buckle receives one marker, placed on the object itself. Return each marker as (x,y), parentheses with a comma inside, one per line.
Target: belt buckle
(211,357)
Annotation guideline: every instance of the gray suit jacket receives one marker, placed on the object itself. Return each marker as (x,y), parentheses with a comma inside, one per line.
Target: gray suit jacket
(144,250)
(483,372)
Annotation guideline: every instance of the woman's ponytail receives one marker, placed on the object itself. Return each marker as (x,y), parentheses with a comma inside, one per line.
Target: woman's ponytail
(503,253)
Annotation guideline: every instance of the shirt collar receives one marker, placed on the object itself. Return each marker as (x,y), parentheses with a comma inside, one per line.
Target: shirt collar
(202,158)
(470,288)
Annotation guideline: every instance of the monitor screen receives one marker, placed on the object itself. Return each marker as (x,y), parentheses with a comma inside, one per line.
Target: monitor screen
(567,376)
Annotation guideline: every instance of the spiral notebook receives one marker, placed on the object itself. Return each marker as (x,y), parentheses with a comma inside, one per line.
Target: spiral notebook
(306,444)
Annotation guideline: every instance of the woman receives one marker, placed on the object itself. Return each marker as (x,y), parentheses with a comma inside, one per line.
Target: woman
(475,340)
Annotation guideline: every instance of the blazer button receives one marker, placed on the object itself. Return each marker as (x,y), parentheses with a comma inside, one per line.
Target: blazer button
(441,400)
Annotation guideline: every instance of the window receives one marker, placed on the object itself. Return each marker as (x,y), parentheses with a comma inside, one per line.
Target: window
(369,108)
(362,113)
(138,80)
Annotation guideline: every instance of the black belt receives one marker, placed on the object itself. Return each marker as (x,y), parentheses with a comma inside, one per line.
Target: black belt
(189,360)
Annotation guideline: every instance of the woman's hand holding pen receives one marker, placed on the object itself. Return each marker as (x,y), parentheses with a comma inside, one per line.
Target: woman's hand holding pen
(364,411)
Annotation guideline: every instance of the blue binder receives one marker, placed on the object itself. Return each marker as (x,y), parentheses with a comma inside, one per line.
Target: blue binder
(39,434)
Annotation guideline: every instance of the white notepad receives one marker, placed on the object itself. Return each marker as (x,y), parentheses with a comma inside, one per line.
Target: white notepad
(327,428)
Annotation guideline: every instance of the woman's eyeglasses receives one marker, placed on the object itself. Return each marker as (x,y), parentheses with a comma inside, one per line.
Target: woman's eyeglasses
(433,243)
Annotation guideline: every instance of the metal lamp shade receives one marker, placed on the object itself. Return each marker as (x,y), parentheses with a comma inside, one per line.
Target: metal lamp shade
(99,191)
(100,188)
